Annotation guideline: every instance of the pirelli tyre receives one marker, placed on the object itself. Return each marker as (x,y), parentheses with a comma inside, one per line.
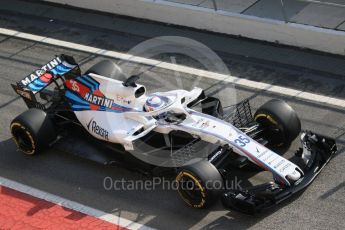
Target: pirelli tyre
(279,119)
(107,68)
(199,184)
(32,131)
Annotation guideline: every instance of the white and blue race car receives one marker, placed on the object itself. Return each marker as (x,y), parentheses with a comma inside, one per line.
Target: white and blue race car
(68,109)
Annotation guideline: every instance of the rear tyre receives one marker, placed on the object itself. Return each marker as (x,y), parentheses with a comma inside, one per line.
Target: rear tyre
(280,120)
(108,69)
(199,184)
(32,131)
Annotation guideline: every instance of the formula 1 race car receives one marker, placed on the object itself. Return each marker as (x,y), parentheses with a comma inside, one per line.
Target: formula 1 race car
(104,108)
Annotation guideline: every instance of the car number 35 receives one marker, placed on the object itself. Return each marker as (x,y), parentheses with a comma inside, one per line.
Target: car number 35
(242,141)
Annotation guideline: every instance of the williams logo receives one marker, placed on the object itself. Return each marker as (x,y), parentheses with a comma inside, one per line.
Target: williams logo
(92,126)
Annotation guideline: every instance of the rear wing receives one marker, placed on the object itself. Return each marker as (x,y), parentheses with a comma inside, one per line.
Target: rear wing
(61,67)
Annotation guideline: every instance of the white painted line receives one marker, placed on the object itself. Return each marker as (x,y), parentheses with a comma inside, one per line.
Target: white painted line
(113,219)
(180,68)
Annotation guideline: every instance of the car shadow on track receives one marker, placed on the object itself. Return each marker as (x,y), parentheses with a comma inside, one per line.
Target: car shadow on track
(93,185)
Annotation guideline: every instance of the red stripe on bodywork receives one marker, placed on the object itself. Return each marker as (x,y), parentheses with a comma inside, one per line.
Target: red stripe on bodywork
(79,88)
(46,77)
(261,164)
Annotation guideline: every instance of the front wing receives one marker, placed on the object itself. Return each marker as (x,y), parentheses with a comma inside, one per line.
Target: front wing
(317,151)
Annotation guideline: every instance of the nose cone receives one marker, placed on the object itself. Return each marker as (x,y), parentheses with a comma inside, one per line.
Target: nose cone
(294,176)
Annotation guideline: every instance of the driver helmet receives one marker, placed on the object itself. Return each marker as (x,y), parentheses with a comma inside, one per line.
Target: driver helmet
(155,102)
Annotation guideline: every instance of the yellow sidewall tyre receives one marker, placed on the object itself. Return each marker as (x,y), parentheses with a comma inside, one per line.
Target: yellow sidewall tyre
(278,114)
(33,131)
(199,184)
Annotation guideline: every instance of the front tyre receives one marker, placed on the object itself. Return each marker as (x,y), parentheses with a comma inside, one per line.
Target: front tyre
(199,184)
(280,121)
(32,131)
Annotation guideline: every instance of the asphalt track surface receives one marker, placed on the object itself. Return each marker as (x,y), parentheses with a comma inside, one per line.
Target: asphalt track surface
(321,206)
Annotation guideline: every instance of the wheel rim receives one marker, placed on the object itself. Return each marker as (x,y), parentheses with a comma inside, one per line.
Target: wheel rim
(190,189)
(23,138)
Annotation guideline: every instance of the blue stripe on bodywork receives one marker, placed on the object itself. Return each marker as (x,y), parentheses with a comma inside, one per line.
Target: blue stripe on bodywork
(54,71)
(91,80)
(80,107)
(82,80)
(93,85)
(33,87)
(64,66)
(62,69)
(125,109)
(39,83)
(75,98)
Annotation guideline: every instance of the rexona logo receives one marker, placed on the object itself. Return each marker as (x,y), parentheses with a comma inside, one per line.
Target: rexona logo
(97,100)
(95,128)
(36,74)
